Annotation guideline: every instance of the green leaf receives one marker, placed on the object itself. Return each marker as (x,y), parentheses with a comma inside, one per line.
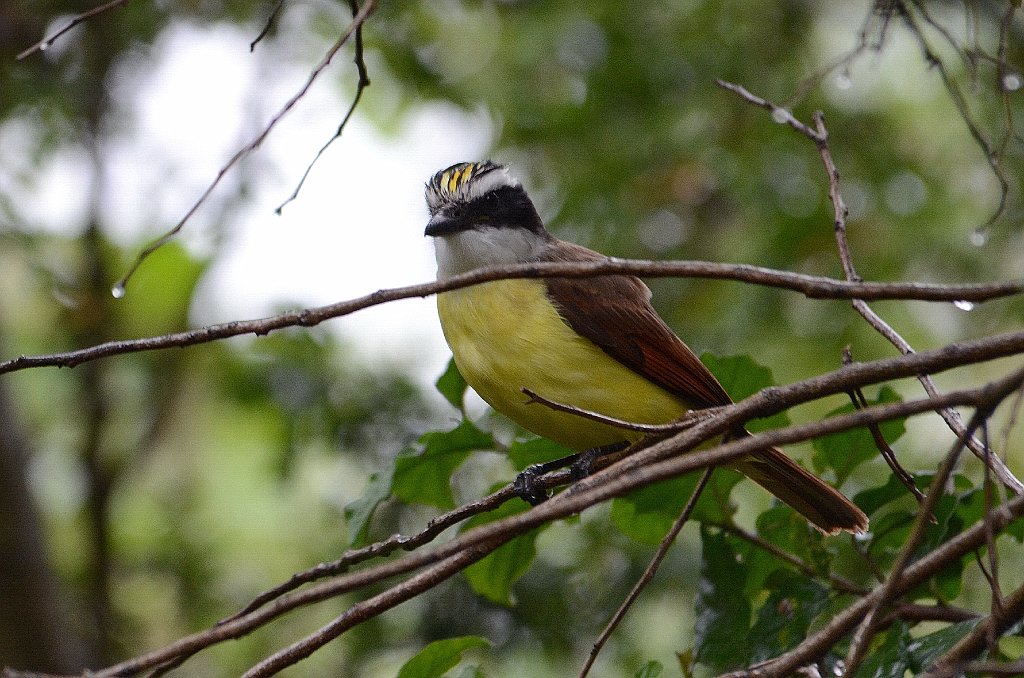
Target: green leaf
(651,669)
(889,654)
(723,611)
(359,512)
(647,514)
(875,498)
(972,508)
(845,451)
(439,656)
(784,619)
(926,649)
(452,385)
(424,476)
(523,453)
(741,377)
(789,531)
(494,575)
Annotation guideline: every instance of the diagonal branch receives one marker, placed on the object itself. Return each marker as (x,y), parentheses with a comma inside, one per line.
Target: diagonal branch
(819,135)
(362,84)
(648,574)
(45,43)
(357,21)
(658,462)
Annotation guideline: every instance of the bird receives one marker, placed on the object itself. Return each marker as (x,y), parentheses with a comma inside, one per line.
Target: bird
(595,344)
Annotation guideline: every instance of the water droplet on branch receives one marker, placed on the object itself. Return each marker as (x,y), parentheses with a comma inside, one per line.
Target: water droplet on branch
(964,305)
(117,291)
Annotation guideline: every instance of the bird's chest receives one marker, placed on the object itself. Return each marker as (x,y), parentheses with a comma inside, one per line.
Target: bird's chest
(507,336)
(504,335)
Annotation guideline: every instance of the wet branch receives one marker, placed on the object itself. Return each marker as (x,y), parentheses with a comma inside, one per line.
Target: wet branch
(815,287)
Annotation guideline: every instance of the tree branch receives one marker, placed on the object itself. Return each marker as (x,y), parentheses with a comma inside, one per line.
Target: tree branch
(46,42)
(658,462)
(357,21)
(815,287)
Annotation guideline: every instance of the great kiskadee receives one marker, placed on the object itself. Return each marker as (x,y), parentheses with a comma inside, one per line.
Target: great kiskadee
(593,343)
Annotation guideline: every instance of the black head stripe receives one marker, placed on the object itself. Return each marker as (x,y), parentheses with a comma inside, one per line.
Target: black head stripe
(478,194)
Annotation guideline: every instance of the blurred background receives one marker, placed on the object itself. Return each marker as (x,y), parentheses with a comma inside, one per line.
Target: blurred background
(145,496)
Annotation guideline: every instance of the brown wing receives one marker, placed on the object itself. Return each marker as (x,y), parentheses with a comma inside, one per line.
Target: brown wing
(615,313)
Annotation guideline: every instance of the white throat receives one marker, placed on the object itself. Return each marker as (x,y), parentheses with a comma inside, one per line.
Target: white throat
(479,247)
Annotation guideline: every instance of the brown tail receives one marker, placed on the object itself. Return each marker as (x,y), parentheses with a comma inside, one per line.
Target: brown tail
(812,497)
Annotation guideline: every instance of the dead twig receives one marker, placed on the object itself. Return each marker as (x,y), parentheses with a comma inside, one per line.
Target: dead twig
(353,27)
(361,84)
(645,578)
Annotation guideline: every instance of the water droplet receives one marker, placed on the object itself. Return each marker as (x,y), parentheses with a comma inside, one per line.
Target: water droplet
(1011,82)
(979,237)
(839,668)
(44,45)
(780,115)
(117,291)
(843,81)
(964,305)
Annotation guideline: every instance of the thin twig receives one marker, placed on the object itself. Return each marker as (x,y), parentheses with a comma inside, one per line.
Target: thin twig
(914,612)
(379,549)
(779,114)
(363,83)
(841,584)
(860,402)
(866,629)
(993,158)
(353,27)
(46,42)
(645,579)
(686,421)
(990,539)
(811,286)
(267,26)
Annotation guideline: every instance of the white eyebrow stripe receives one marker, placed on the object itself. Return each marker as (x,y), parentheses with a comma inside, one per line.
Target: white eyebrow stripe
(494,179)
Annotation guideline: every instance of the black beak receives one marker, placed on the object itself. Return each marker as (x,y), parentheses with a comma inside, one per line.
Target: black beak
(442,224)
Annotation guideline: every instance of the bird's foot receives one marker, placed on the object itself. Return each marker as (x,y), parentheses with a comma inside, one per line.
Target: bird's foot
(528,488)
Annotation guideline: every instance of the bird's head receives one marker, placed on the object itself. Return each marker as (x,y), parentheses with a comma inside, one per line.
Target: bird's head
(478,195)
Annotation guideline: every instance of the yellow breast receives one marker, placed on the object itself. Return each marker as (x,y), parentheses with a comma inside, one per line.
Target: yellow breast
(506,335)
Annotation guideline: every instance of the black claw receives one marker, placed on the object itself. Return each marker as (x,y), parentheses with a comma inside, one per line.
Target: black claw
(526,487)
(580,466)
(583,465)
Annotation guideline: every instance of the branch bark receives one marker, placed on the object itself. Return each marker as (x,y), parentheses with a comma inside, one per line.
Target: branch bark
(816,287)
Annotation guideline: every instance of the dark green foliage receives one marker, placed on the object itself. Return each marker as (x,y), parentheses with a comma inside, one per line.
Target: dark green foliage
(494,576)
(843,452)
(422,474)
(723,610)
(435,659)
